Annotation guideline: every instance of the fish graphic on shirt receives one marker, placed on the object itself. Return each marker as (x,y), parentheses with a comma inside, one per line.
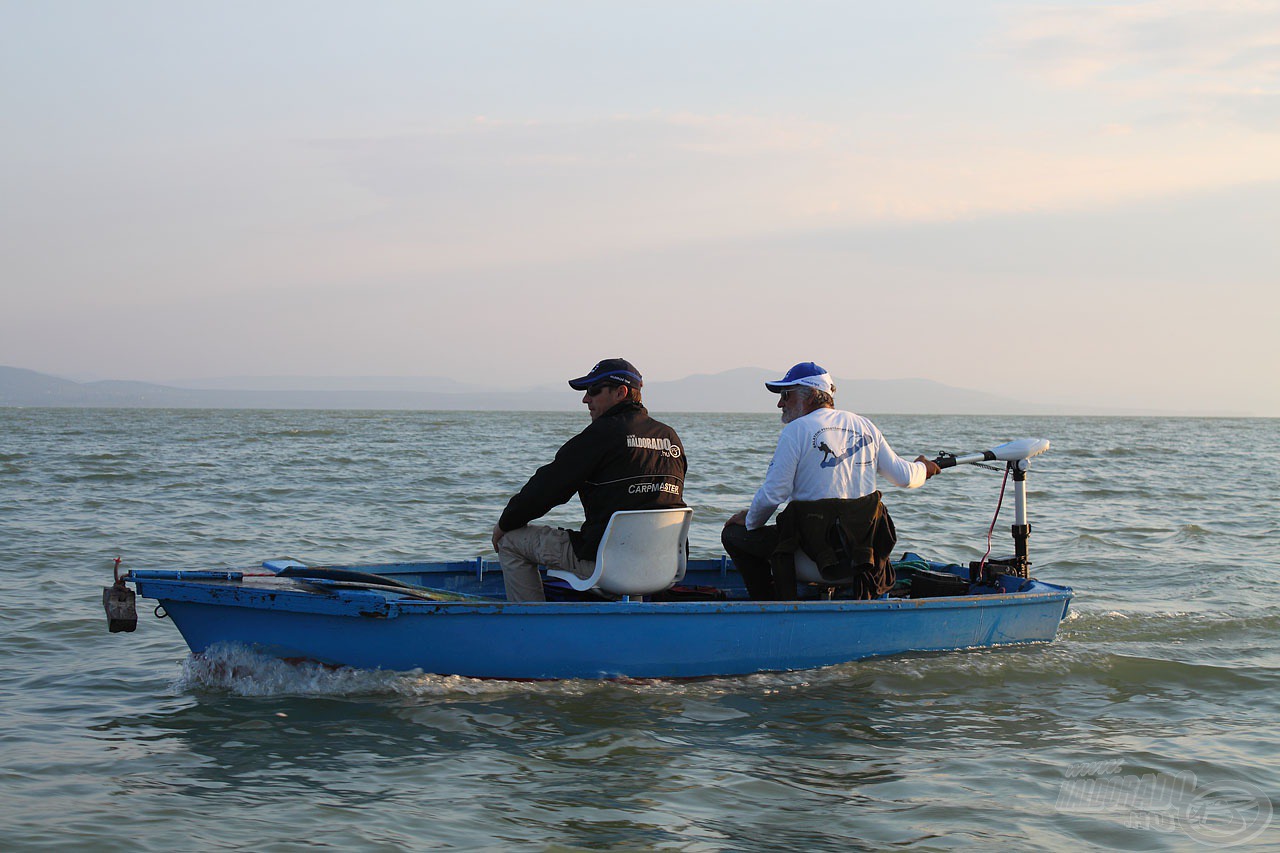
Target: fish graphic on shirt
(832,458)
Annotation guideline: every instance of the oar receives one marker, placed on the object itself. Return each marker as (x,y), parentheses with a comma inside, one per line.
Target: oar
(423,592)
(325,577)
(1010,451)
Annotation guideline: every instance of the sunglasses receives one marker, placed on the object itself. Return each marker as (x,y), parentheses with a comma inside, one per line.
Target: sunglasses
(600,386)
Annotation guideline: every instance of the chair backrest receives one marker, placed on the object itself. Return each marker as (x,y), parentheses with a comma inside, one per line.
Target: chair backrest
(643,550)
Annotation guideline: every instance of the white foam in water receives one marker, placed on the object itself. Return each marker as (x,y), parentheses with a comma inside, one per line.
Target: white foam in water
(244,672)
(241,671)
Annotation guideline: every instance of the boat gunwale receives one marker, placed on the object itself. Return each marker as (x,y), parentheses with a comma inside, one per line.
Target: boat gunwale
(257,595)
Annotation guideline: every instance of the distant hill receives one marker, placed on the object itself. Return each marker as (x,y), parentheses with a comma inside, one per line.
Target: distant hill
(412,384)
(740,390)
(19,387)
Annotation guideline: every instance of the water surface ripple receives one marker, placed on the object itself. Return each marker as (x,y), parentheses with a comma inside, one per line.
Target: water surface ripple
(1166,528)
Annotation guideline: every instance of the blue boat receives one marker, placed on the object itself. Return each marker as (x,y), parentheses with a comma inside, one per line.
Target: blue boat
(452,618)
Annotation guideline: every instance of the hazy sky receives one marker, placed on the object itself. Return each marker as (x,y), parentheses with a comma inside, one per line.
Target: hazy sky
(1070,201)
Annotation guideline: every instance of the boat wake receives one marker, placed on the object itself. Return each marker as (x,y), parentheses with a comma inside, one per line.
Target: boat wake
(1168,626)
(240,671)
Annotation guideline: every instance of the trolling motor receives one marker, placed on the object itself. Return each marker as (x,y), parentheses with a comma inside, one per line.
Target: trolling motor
(1016,456)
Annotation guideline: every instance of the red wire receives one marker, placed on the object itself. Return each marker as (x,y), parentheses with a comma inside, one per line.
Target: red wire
(982,567)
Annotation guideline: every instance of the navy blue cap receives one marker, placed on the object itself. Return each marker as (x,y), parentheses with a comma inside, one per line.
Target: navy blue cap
(617,370)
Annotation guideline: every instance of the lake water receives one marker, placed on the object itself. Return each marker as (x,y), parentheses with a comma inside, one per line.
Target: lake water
(1149,724)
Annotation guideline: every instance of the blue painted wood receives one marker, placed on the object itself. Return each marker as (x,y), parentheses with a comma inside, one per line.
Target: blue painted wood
(382,629)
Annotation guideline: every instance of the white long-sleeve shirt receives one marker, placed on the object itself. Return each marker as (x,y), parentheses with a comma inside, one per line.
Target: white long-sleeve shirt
(829,453)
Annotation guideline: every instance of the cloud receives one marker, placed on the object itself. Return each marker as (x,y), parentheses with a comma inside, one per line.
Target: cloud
(549,189)
(490,192)
(1190,60)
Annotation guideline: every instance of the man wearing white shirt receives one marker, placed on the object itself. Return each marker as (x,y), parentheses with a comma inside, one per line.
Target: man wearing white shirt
(822,453)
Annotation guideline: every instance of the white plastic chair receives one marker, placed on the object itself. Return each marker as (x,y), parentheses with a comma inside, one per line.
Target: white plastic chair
(642,552)
(807,570)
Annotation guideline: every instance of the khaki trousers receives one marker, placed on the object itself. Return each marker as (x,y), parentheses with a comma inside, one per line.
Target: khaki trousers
(522,551)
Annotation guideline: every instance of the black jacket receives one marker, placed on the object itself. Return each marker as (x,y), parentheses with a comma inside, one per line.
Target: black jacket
(624,459)
(850,539)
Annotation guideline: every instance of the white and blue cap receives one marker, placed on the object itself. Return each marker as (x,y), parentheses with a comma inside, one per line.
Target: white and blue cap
(616,370)
(805,374)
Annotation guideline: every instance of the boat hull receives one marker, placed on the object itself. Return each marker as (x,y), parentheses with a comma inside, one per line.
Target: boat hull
(605,639)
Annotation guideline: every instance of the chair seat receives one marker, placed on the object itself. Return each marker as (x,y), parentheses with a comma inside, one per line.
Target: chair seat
(807,570)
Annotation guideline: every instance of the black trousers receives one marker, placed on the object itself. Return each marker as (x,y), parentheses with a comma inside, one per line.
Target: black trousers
(750,550)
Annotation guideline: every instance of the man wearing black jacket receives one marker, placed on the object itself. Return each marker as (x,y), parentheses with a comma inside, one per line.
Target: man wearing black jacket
(624,459)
